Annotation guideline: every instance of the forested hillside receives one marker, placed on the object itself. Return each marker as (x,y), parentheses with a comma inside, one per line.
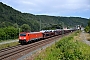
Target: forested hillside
(12,17)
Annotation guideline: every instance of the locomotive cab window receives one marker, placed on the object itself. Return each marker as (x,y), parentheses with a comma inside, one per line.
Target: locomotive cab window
(22,34)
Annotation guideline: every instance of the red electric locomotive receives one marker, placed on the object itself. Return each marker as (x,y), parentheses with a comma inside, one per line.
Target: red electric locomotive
(25,37)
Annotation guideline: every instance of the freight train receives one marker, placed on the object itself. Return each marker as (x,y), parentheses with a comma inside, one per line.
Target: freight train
(27,37)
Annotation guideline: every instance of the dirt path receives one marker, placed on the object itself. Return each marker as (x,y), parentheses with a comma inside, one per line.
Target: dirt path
(84,37)
(5,42)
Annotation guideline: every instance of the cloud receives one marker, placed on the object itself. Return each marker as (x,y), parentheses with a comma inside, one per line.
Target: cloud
(51,7)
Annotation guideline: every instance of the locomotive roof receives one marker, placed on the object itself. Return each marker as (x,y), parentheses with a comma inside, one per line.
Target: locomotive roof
(29,32)
(34,32)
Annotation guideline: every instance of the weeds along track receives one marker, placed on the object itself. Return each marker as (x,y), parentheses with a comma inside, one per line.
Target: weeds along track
(15,52)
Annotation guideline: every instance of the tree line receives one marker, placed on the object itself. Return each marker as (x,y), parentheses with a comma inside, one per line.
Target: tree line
(12,32)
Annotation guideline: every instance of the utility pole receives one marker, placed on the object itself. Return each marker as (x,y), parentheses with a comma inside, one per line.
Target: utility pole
(18,27)
(62,25)
(40,24)
(19,31)
(63,28)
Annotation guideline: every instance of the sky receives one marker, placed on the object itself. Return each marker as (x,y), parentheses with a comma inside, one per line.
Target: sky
(69,8)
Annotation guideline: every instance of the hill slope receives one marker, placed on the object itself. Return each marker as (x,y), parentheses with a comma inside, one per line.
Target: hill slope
(10,16)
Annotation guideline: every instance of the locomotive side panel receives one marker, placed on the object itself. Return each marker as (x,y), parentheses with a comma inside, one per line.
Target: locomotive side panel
(34,36)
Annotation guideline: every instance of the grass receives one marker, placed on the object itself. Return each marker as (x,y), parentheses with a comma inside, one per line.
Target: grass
(7,40)
(68,48)
(8,45)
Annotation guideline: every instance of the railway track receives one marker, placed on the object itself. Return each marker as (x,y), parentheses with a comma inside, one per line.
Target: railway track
(15,52)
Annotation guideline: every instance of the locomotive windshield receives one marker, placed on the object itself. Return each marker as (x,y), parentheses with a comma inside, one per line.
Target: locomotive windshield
(22,34)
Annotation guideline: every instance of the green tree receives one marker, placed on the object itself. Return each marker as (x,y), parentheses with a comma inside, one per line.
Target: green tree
(2,34)
(15,25)
(25,28)
(11,32)
(87,28)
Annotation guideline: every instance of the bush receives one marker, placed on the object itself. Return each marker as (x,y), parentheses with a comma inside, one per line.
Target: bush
(8,33)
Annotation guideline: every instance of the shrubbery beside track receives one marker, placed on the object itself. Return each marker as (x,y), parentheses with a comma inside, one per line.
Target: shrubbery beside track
(67,48)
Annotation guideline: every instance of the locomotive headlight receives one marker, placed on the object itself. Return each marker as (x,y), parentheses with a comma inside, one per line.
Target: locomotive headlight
(20,38)
(24,37)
